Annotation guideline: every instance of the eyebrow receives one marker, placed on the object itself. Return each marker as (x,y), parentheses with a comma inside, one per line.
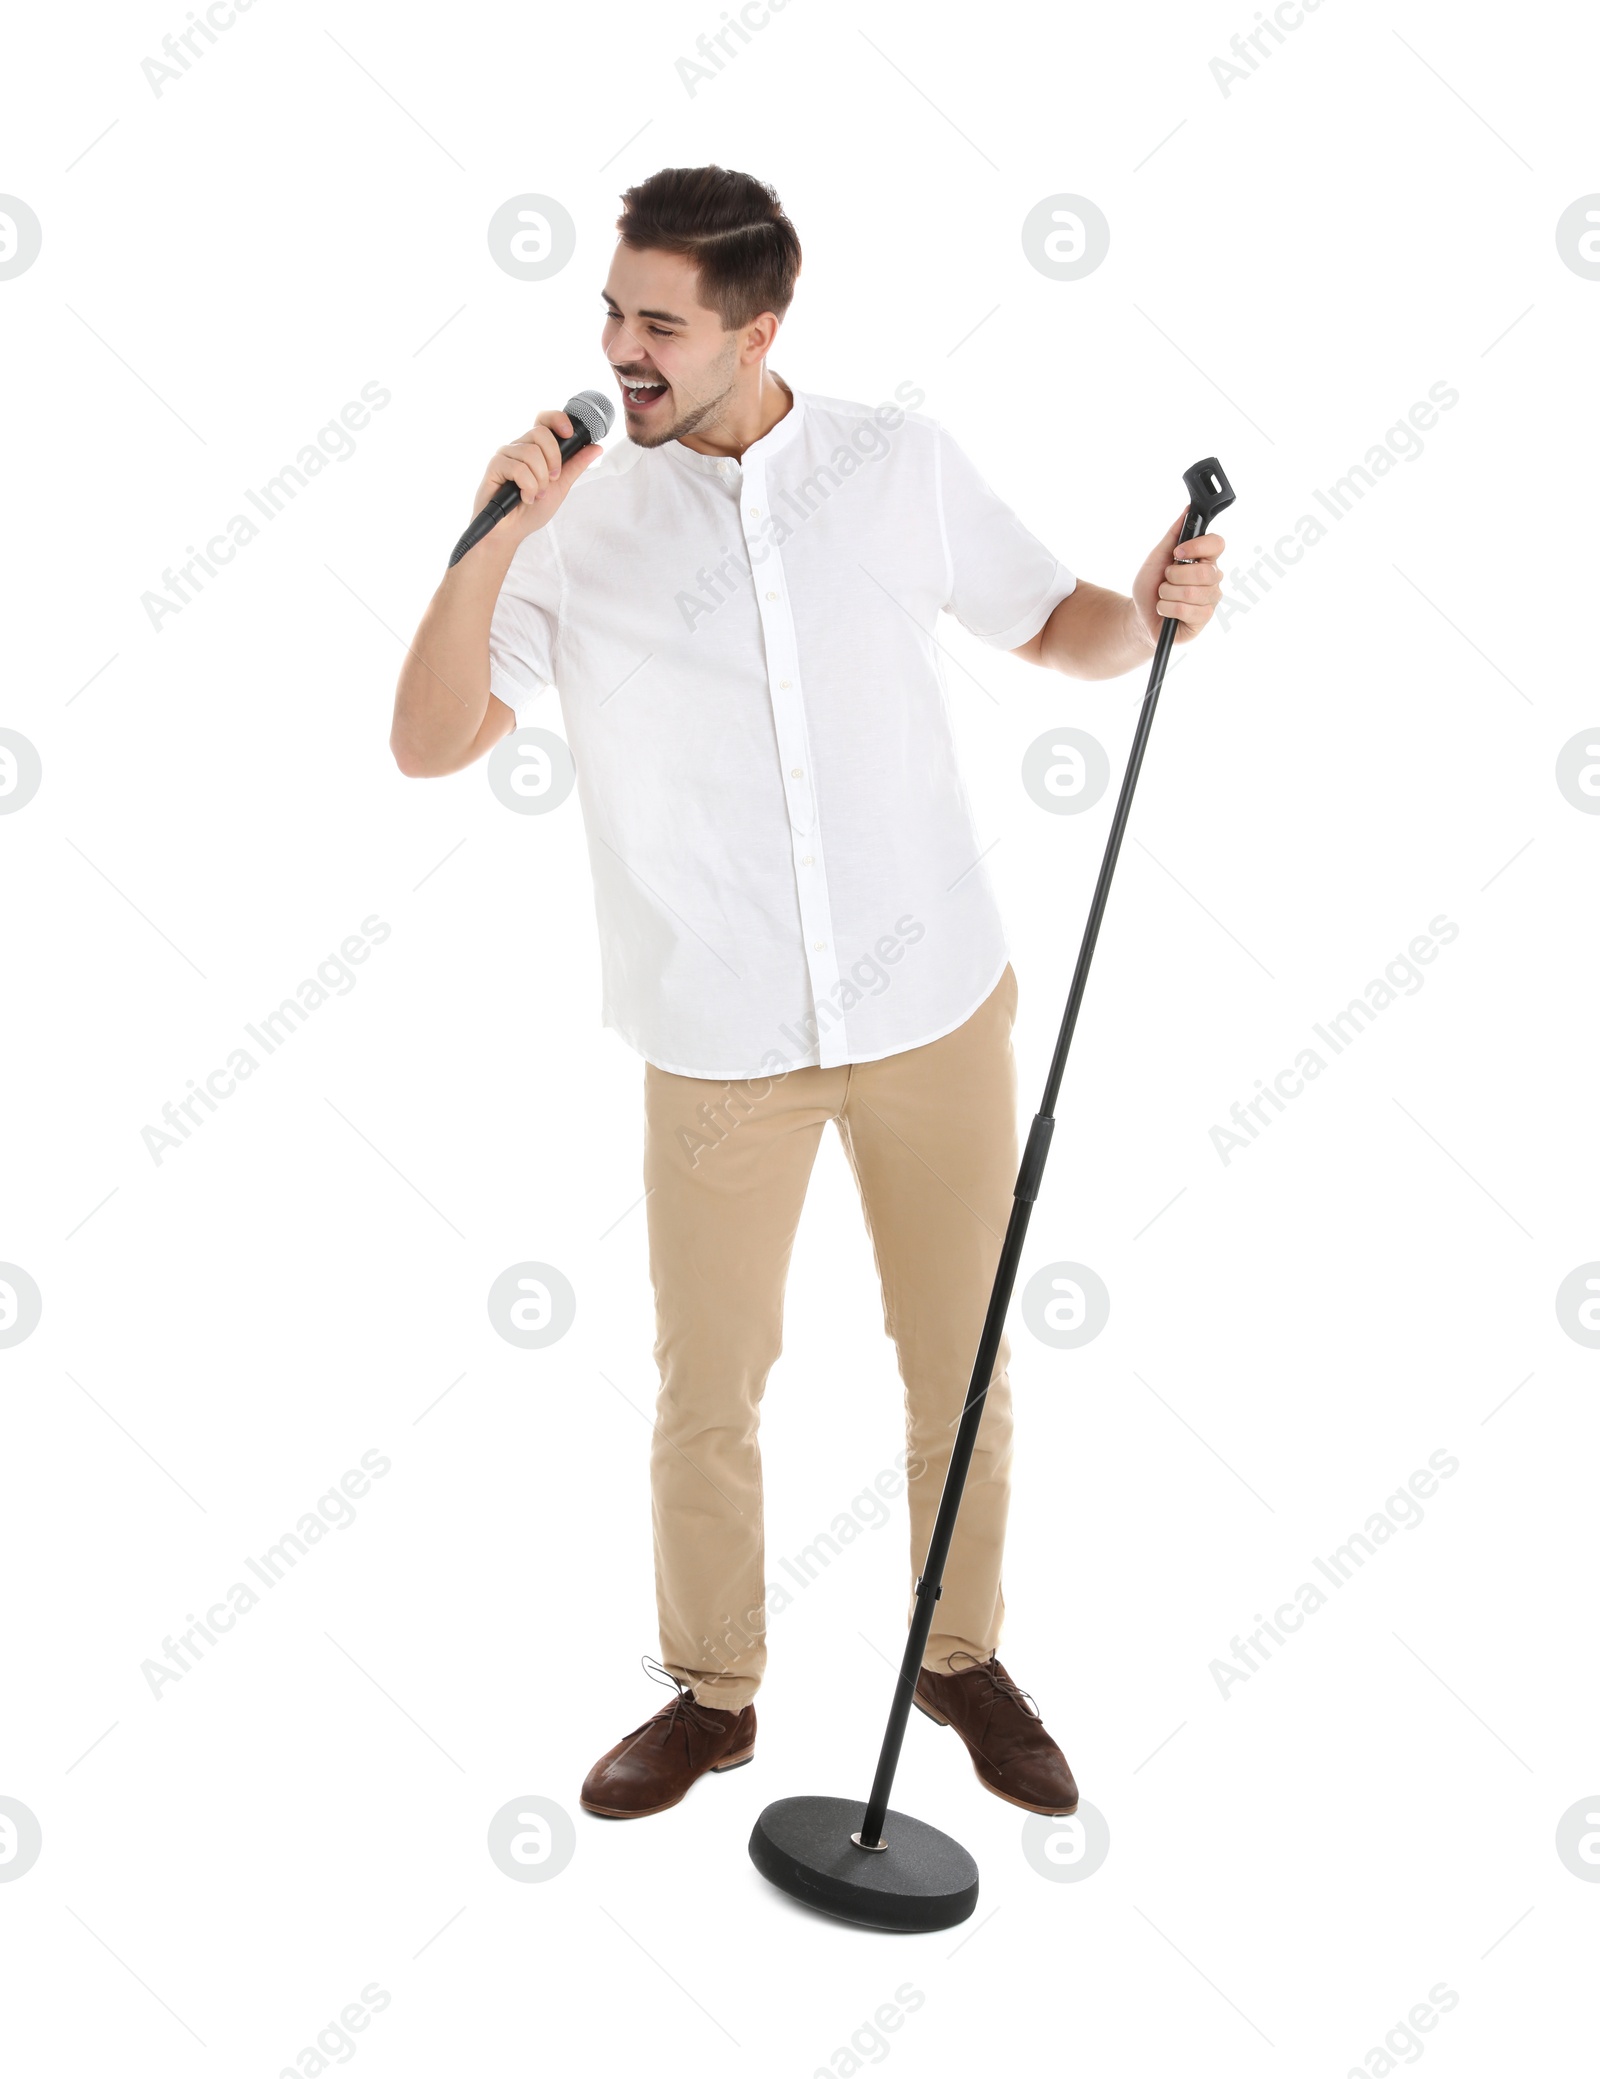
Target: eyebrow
(669,317)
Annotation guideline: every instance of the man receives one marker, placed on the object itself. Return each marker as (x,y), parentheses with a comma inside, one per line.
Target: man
(739,610)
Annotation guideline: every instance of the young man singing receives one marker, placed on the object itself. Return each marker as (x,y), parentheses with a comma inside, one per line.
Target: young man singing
(739,609)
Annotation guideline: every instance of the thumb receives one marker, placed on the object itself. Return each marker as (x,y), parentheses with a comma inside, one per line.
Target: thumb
(571,469)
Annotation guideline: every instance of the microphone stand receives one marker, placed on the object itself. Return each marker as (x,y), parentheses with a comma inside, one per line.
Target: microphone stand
(808,1846)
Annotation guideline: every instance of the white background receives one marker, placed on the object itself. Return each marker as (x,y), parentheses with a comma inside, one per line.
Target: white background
(1293,263)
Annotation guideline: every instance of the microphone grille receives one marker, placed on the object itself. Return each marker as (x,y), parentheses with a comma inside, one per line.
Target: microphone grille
(593,411)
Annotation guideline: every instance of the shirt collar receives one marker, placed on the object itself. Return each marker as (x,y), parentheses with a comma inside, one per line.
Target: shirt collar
(762,450)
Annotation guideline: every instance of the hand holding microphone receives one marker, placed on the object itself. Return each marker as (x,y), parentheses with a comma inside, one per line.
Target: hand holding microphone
(532,476)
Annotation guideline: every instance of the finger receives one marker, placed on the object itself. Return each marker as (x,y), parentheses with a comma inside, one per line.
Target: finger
(591,451)
(1181,610)
(518,472)
(528,458)
(1205,547)
(1201,573)
(1192,595)
(558,420)
(534,455)
(545,441)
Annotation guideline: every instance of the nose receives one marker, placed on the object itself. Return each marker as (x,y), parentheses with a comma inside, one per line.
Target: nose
(623,348)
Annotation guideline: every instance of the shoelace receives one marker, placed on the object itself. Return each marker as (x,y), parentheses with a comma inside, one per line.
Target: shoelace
(1000,1681)
(683,1711)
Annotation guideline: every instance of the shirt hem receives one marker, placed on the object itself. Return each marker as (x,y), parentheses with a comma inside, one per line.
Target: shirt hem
(751,1075)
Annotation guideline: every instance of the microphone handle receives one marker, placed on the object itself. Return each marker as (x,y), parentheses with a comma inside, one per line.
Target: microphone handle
(507,498)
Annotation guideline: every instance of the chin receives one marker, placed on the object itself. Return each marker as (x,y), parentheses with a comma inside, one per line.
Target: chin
(649,436)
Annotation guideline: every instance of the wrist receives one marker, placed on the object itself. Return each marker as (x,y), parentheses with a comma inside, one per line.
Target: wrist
(485,566)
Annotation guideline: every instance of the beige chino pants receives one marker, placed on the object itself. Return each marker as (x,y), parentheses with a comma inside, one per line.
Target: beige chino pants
(931,1138)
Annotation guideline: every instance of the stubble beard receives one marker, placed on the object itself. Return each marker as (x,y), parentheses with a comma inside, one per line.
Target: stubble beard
(697,415)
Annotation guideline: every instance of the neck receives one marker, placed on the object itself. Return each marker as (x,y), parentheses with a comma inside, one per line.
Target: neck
(747,418)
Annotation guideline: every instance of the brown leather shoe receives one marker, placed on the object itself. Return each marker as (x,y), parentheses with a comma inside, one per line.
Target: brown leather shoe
(659,1761)
(1011,1751)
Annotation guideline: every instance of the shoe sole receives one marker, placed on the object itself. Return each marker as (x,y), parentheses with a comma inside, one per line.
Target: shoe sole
(717,1768)
(1045,1811)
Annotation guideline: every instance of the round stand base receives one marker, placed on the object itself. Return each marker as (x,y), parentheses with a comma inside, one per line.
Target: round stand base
(920,1879)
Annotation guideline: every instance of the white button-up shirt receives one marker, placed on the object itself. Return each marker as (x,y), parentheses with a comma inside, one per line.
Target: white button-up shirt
(785,866)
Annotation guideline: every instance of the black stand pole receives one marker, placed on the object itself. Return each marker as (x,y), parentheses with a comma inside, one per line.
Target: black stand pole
(805,1845)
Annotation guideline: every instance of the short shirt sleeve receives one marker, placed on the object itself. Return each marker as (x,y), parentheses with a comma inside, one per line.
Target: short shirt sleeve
(522,633)
(1003,580)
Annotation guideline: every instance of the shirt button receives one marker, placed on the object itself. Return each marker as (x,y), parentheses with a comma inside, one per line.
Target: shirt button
(808,860)
(819,945)
(755,512)
(772,595)
(783,685)
(797,772)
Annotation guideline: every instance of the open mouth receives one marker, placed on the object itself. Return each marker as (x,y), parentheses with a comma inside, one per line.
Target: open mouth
(641,396)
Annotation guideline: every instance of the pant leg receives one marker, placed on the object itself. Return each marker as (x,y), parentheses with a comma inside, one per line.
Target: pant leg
(932,1137)
(726,1169)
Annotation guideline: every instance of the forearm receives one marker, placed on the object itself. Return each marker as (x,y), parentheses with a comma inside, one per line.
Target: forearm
(1091,634)
(443,694)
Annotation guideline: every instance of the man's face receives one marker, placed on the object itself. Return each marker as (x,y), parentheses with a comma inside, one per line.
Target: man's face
(659,335)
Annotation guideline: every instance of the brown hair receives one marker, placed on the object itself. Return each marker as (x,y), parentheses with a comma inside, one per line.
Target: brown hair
(730,225)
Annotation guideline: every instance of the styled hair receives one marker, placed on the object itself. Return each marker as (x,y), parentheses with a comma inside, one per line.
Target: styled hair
(730,225)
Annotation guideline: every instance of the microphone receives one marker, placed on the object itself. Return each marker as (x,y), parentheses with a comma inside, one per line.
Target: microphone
(591,414)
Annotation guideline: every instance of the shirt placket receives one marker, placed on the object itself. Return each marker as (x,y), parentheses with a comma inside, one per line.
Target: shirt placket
(786,694)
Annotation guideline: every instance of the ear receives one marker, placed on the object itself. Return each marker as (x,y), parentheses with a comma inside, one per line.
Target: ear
(758,337)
